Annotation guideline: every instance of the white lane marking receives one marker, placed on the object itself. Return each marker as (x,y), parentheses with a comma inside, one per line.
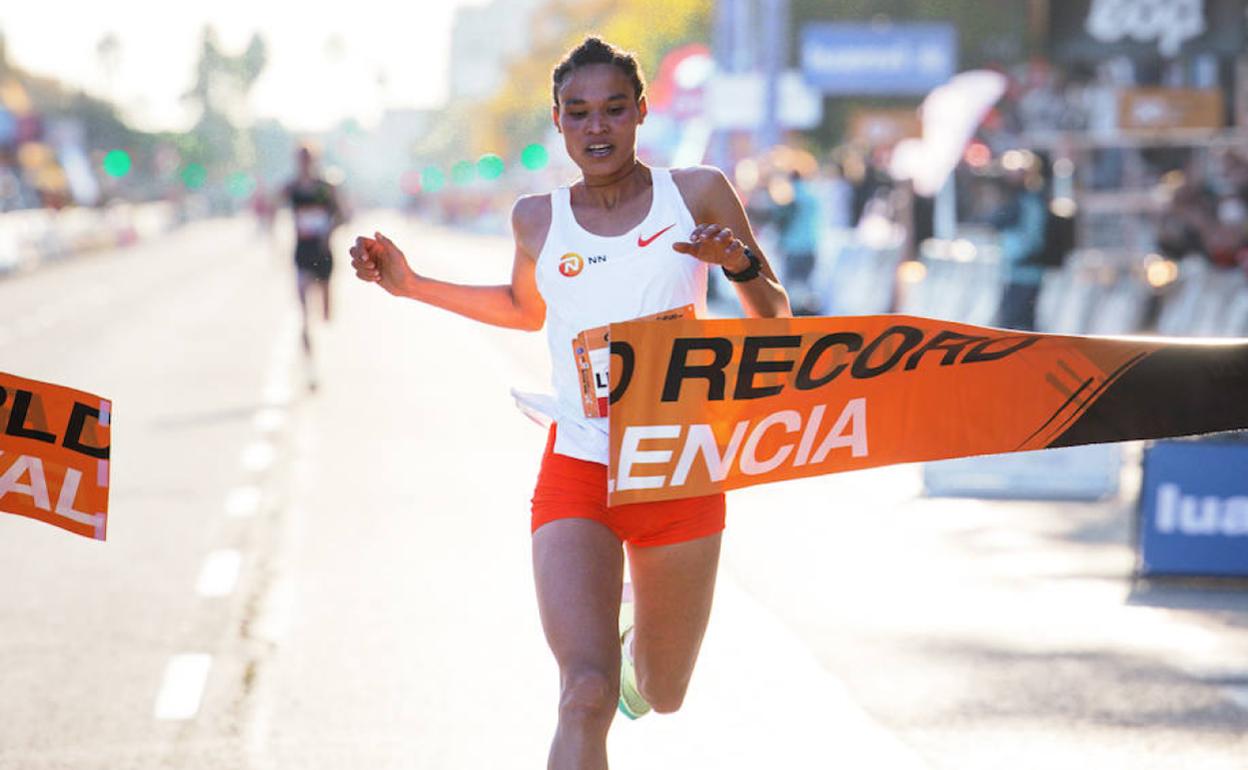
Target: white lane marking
(258,456)
(182,688)
(219,574)
(242,502)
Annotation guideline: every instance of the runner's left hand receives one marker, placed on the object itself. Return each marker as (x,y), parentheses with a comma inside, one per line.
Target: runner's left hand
(715,245)
(378,260)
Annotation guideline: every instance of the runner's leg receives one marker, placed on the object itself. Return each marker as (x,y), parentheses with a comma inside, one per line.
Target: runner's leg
(302,280)
(324,285)
(672,588)
(578,566)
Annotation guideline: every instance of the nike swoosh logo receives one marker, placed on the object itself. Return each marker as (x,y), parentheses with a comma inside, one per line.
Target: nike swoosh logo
(644,242)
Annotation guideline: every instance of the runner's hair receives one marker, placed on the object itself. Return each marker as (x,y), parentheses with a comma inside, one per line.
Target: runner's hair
(593,50)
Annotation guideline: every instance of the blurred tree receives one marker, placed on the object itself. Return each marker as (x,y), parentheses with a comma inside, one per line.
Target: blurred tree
(252,63)
(222,84)
(275,152)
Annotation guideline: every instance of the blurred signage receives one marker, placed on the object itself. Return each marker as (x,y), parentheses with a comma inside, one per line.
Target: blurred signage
(738,101)
(1166,108)
(883,128)
(1169,23)
(1096,30)
(54,449)
(679,89)
(1194,509)
(892,59)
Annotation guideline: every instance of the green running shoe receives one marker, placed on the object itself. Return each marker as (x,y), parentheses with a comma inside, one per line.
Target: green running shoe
(631,705)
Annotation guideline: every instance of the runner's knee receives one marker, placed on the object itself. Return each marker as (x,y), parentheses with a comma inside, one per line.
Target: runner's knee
(589,695)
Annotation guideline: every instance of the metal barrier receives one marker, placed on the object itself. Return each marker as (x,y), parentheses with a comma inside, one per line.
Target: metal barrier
(959,281)
(23,238)
(1205,301)
(1094,292)
(855,279)
(29,237)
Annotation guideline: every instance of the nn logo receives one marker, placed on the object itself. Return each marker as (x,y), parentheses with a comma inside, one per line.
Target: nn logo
(1182,514)
(571,265)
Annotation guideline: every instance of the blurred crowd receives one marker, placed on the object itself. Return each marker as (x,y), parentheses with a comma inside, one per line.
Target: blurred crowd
(1024,197)
(1208,213)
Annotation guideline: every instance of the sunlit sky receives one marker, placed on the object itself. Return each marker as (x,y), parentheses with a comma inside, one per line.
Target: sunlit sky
(325,58)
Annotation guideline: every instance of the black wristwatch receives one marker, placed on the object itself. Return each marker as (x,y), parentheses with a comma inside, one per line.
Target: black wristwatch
(749,273)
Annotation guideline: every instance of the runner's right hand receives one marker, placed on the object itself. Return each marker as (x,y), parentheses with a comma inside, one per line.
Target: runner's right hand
(378,260)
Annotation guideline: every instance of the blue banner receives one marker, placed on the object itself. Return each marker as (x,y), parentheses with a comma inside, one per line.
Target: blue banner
(894,59)
(1194,509)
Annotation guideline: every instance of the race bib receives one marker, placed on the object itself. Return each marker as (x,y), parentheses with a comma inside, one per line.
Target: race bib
(591,350)
(312,222)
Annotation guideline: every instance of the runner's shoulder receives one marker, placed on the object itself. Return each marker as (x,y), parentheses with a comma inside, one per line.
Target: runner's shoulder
(530,221)
(702,185)
(698,179)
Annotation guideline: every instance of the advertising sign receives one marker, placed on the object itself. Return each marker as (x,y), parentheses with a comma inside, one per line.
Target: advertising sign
(1194,509)
(891,59)
(1096,30)
(54,448)
(703,406)
(1164,108)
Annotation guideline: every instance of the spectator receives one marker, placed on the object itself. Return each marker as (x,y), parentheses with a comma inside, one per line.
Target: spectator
(798,221)
(1020,222)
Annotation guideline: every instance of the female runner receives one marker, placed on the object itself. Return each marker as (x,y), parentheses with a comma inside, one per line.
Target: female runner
(653,234)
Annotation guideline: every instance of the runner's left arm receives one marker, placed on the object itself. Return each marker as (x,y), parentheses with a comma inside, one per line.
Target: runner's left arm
(721,236)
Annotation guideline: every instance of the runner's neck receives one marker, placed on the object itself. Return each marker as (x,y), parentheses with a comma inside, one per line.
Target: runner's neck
(610,192)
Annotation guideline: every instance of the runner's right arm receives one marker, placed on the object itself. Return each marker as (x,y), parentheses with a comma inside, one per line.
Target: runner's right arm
(517,305)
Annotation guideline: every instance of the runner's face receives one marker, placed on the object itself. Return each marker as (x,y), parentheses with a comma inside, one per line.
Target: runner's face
(598,115)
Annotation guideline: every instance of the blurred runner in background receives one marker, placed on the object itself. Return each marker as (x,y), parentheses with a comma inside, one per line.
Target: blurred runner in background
(316,211)
(264,207)
(624,241)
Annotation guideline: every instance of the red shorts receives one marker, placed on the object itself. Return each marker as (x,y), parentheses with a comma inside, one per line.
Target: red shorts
(568,488)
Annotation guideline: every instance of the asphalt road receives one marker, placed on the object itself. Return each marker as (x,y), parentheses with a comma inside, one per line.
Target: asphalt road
(339,578)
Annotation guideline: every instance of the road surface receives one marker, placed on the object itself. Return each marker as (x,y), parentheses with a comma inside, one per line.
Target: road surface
(340,577)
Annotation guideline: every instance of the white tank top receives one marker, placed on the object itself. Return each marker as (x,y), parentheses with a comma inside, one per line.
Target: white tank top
(590,280)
